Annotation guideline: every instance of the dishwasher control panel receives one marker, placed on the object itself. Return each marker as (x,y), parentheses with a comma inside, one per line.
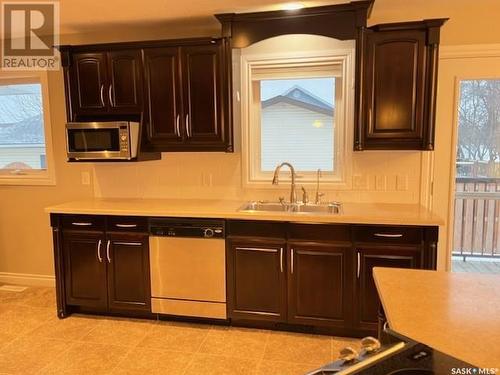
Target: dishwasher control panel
(195,228)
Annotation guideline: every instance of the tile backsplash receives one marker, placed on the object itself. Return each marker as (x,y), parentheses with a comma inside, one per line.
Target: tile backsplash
(390,177)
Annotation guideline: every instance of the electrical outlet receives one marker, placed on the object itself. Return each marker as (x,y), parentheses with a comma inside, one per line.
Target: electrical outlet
(402,182)
(360,182)
(380,182)
(206,179)
(85,178)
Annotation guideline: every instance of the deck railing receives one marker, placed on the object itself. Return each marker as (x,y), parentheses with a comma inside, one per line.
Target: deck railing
(477,224)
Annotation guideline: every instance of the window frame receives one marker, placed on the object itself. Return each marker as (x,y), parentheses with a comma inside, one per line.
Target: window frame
(37,176)
(252,175)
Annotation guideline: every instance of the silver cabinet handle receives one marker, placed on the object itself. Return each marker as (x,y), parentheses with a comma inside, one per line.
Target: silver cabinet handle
(358,265)
(126,225)
(81,224)
(291,260)
(110,96)
(281,259)
(128,243)
(257,249)
(188,131)
(388,235)
(99,257)
(107,251)
(177,126)
(102,95)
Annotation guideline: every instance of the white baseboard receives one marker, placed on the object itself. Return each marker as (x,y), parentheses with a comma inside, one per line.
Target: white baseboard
(27,279)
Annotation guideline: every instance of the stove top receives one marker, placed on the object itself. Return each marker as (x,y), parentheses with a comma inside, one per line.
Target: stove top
(400,357)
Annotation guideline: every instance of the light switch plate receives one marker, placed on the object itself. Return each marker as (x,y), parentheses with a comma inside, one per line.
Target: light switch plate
(85,178)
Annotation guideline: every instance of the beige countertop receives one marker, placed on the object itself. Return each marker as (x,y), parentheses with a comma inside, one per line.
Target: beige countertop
(361,213)
(456,313)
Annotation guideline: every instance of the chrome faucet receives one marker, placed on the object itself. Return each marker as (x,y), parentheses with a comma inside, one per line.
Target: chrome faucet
(293,194)
(318,194)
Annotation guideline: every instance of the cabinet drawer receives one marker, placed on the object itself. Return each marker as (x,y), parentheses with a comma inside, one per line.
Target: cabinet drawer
(83,222)
(320,232)
(388,234)
(127,224)
(264,229)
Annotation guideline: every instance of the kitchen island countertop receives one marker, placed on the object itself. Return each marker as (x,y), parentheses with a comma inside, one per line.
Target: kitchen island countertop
(455,313)
(354,213)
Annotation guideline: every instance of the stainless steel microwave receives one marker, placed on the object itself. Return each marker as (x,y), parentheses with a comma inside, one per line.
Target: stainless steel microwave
(102,140)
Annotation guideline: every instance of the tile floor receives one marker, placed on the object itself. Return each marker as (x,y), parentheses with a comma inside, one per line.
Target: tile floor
(34,341)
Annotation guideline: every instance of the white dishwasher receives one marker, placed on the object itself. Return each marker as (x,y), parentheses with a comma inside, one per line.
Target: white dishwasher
(188,267)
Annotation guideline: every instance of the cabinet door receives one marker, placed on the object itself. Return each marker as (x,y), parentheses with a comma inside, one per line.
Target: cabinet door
(256,280)
(127,256)
(124,89)
(88,73)
(164,109)
(202,97)
(318,293)
(85,269)
(368,257)
(395,63)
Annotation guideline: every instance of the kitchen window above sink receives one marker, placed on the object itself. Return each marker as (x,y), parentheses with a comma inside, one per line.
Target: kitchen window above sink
(297,108)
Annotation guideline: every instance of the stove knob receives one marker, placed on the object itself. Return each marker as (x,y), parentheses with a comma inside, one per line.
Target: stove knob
(348,354)
(208,232)
(370,344)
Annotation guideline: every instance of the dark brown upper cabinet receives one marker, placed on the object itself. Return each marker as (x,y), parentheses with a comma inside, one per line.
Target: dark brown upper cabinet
(188,97)
(180,90)
(398,86)
(102,83)
(164,109)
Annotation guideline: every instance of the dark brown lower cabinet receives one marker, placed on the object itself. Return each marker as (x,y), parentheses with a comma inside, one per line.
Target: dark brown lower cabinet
(106,271)
(84,269)
(256,284)
(128,272)
(368,257)
(300,276)
(327,285)
(317,284)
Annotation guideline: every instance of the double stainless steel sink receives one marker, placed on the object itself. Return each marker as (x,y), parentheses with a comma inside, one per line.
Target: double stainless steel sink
(329,208)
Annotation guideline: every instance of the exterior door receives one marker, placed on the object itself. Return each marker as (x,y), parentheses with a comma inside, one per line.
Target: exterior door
(127,257)
(164,117)
(459,64)
(317,284)
(124,89)
(85,269)
(256,280)
(88,83)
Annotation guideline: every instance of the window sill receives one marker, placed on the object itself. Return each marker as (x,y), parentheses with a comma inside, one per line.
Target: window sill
(27,181)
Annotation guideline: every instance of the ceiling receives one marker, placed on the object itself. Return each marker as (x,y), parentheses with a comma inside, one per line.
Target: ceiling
(471,21)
